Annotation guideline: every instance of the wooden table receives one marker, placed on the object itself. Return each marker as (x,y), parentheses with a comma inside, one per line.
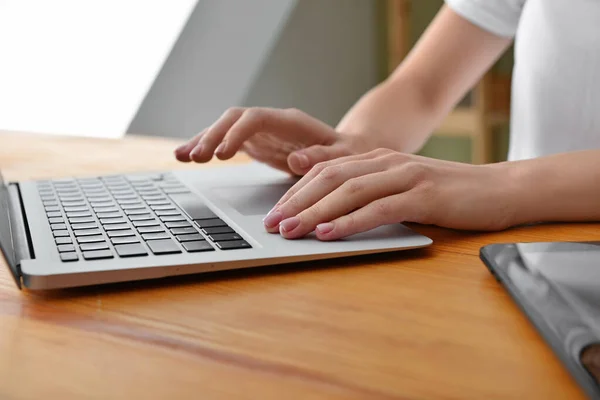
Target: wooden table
(413,325)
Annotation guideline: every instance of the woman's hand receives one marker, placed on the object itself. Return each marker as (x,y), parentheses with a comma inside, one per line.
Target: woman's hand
(289,140)
(358,193)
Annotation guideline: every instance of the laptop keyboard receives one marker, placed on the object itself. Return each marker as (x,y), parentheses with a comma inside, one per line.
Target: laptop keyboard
(131,216)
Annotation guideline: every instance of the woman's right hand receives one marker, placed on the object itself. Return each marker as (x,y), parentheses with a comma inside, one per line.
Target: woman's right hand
(289,140)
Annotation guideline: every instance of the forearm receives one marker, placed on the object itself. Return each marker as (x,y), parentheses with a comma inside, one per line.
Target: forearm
(448,60)
(563,187)
(395,115)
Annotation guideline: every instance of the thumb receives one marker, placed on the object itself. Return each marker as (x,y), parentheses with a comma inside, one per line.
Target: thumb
(301,161)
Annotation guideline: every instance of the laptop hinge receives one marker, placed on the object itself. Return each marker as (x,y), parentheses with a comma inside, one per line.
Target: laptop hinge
(18,233)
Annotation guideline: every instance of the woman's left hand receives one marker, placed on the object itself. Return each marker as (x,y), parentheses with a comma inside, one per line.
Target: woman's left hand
(354,194)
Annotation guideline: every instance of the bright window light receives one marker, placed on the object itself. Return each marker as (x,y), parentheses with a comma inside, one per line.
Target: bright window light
(82,67)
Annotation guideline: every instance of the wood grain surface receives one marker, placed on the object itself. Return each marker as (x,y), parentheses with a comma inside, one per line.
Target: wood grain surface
(422,324)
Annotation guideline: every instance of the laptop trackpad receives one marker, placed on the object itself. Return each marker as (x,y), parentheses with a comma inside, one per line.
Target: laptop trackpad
(253,199)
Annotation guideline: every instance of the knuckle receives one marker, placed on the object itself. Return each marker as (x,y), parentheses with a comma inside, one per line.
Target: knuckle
(292,204)
(233,111)
(353,186)
(380,152)
(383,208)
(415,171)
(331,173)
(319,167)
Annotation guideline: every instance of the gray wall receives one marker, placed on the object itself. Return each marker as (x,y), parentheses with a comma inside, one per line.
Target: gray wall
(325,58)
(316,55)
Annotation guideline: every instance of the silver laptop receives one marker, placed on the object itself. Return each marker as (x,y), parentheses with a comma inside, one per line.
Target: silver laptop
(93,230)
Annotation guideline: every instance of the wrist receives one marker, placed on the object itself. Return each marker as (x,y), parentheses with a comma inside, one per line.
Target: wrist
(521,193)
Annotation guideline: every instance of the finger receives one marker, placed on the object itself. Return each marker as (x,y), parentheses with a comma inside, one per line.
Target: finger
(317,169)
(389,210)
(352,195)
(301,161)
(205,148)
(293,123)
(182,153)
(325,185)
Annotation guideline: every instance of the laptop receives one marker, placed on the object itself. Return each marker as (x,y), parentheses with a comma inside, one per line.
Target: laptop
(93,230)
(557,285)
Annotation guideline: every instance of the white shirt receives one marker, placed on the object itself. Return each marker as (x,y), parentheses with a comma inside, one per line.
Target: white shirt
(556,78)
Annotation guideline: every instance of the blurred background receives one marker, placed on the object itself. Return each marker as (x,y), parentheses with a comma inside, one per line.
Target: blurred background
(171,67)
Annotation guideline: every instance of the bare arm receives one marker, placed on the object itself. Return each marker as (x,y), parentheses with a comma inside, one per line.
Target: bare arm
(561,187)
(448,60)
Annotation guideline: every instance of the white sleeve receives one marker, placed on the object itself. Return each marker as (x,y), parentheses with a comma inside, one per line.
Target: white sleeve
(500,17)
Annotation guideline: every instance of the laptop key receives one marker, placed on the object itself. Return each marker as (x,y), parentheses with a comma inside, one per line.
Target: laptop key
(93,246)
(56,220)
(131,196)
(52,214)
(234,245)
(61,233)
(225,237)
(150,229)
(87,232)
(141,217)
(125,240)
(109,215)
(136,206)
(217,230)
(172,218)
(58,227)
(177,224)
(63,240)
(124,232)
(81,220)
(75,209)
(164,213)
(50,202)
(74,203)
(183,231)
(88,225)
(131,250)
(63,248)
(115,227)
(52,208)
(102,203)
(199,245)
(192,205)
(112,221)
(210,223)
(97,254)
(189,238)
(136,212)
(163,207)
(66,257)
(90,239)
(158,202)
(79,214)
(155,236)
(166,246)
(106,209)
(149,222)
(129,201)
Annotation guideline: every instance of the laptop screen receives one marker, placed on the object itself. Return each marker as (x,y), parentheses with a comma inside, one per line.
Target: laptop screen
(6,242)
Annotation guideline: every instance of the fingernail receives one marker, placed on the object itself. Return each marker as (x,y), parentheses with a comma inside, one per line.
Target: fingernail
(289,224)
(325,228)
(197,150)
(221,148)
(272,219)
(303,161)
